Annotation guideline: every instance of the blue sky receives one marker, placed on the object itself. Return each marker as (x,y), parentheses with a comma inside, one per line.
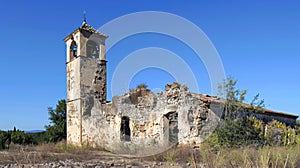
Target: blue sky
(258,42)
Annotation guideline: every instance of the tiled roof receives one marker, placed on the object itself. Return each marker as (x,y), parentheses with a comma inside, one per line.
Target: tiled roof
(87,28)
(205,97)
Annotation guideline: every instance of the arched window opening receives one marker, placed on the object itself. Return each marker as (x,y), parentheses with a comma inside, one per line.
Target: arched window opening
(73,50)
(125,129)
(92,50)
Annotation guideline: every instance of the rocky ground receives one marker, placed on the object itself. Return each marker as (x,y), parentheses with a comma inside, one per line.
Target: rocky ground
(94,164)
(93,159)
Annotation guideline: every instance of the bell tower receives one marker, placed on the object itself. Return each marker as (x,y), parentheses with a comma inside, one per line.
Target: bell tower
(86,77)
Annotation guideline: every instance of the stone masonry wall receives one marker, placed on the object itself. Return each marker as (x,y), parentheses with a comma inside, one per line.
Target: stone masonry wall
(155,121)
(168,118)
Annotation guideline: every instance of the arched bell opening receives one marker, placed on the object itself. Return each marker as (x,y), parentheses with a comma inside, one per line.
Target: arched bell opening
(92,50)
(73,50)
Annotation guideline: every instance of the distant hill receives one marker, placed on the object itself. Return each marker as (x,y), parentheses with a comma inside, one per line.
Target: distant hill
(34,131)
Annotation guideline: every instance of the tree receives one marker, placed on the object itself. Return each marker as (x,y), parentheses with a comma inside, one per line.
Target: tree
(20,137)
(237,131)
(57,131)
(4,139)
(234,99)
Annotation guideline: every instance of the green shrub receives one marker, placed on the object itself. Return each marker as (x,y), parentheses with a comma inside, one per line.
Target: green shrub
(298,123)
(277,133)
(213,141)
(4,140)
(20,137)
(235,133)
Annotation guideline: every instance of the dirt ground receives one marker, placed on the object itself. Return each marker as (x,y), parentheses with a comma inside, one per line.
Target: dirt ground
(23,157)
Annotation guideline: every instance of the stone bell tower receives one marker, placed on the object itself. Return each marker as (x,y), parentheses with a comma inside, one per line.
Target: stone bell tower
(86,76)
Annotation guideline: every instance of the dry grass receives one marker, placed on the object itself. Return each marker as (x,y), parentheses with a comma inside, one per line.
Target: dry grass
(181,155)
(265,157)
(24,155)
(204,156)
(47,152)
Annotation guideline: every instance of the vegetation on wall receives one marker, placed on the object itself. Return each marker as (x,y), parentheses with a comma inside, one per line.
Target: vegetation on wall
(239,132)
(235,99)
(245,130)
(249,131)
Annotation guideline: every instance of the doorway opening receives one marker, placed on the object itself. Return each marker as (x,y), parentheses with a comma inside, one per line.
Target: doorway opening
(171,128)
(125,129)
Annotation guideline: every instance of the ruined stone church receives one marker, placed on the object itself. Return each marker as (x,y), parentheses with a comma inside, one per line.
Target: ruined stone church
(140,118)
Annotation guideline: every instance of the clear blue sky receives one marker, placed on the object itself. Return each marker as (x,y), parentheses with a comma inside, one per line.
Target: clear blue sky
(258,42)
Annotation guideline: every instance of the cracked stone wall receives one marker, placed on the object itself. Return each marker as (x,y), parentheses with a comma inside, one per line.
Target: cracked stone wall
(142,117)
(164,119)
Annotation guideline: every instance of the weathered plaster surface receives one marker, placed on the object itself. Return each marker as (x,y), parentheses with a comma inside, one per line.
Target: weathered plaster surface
(154,119)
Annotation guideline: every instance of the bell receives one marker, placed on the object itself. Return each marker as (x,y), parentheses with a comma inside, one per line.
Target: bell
(94,53)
